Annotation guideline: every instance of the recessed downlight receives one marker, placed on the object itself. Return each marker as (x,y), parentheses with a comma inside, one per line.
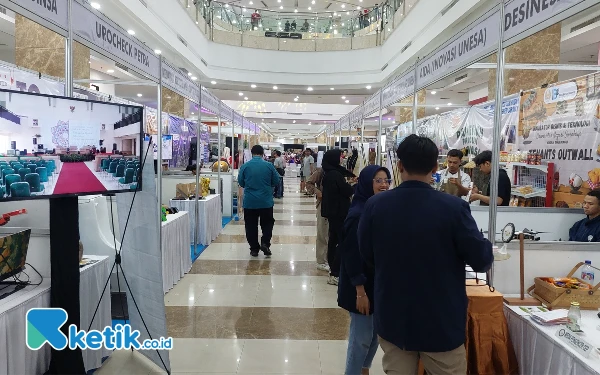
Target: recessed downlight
(245,98)
(449,103)
(157,51)
(190,74)
(369,87)
(139,95)
(347,101)
(213,82)
(309,88)
(194,78)
(253,86)
(437,108)
(110,71)
(331,88)
(343,97)
(274,87)
(95,5)
(433,92)
(241,94)
(130,32)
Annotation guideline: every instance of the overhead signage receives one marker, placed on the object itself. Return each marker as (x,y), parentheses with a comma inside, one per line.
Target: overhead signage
(475,42)
(356,116)
(18,80)
(109,38)
(399,89)
(177,81)
(237,119)
(55,11)
(371,105)
(210,102)
(520,15)
(226,112)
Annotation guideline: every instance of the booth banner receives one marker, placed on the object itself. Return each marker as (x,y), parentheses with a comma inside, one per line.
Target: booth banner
(237,119)
(210,102)
(108,37)
(371,105)
(55,11)
(226,112)
(477,41)
(521,15)
(562,125)
(356,117)
(18,80)
(182,132)
(399,89)
(429,127)
(179,82)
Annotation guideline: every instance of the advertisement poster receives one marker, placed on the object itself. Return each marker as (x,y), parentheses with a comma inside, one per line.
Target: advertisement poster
(560,123)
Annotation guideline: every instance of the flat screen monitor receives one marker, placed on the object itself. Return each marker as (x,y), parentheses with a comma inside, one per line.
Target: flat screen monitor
(71,128)
(13,253)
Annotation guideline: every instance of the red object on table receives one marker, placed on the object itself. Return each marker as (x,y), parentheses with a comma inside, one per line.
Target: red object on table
(6,217)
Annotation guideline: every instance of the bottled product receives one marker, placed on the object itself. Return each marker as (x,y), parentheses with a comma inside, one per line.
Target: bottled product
(587,273)
(574,317)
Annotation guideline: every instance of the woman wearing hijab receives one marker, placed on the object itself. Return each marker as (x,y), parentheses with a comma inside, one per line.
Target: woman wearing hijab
(352,160)
(356,288)
(334,206)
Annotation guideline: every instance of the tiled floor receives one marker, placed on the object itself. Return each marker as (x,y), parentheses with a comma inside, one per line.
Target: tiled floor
(233,314)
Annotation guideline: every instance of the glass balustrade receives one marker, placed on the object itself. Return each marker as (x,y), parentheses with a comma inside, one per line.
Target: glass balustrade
(365,27)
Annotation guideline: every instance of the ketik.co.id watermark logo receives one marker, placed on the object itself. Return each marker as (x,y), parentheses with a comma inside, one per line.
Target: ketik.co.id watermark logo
(43,326)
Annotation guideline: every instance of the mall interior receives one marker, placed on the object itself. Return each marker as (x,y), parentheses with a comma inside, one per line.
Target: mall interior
(124,125)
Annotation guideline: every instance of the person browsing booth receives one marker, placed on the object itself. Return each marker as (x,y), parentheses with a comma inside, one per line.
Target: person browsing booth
(419,260)
(258,178)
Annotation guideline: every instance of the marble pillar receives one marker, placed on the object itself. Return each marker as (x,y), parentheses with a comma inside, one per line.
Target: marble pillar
(405,114)
(542,47)
(42,50)
(173,103)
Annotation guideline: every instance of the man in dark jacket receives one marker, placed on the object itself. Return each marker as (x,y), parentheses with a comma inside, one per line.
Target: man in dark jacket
(419,241)
(588,229)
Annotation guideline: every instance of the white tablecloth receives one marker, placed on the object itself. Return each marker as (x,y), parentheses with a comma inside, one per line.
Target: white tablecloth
(15,357)
(539,352)
(210,221)
(175,248)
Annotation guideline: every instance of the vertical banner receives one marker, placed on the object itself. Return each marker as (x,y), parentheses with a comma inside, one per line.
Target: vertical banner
(561,124)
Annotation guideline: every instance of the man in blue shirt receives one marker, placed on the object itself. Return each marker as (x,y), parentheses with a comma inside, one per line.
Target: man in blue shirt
(415,236)
(258,178)
(588,229)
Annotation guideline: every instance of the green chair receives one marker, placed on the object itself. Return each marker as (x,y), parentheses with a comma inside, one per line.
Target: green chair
(23,172)
(120,172)
(128,178)
(32,166)
(17,166)
(43,172)
(20,189)
(133,187)
(112,168)
(11,179)
(6,172)
(33,179)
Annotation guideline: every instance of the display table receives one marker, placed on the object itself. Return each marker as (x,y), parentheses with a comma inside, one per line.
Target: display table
(489,347)
(175,248)
(540,352)
(15,357)
(209,217)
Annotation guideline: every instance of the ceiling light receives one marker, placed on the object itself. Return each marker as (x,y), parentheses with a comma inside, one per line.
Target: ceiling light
(343,5)
(139,95)
(335,14)
(157,51)
(245,98)
(281,7)
(449,103)
(295,99)
(343,97)
(193,113)
(274,87)
(110,71)
(358,8)
(190,74)
(213,82)
(95,5)
(437,108)
(131,32)
(369,87)
(234,22)
(274,122)
(226,5)
(194,78)
(433,92)
(295,10)
(347,101)
(309,123)
(309,8)
(253,86)
(241,94)
(251,3)
(293,122)
(331,88)
(309,88)
(313,2)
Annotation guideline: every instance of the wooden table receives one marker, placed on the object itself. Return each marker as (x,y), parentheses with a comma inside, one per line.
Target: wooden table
(488,344)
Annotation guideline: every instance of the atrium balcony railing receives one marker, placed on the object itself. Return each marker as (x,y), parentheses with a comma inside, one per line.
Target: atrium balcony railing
(298,31)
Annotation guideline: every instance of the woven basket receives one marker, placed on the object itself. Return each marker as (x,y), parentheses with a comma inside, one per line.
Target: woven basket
(553,297)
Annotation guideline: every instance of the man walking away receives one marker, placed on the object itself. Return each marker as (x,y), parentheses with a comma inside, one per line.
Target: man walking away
(258,178)
(308,167)
(279,164)
(432,245)
(314,186)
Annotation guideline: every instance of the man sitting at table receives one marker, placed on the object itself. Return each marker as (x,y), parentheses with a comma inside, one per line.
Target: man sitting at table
(588,229)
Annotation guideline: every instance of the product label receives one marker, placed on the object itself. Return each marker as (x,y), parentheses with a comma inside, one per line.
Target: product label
(574,341)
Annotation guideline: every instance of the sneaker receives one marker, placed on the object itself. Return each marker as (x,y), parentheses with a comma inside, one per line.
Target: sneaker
(323,267)
(254,253)
(266,250)
(333,280)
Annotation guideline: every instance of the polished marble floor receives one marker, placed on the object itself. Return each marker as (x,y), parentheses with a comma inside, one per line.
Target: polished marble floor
(233,314)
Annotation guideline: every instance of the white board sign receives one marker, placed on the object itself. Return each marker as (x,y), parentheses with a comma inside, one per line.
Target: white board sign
(102,33)
(477,41)
(574,341)
(371,105)
(174,79)
(55,11)
(399,89)
(210,102)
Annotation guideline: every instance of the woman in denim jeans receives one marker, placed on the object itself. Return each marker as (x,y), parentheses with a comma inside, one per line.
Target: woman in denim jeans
(355,291)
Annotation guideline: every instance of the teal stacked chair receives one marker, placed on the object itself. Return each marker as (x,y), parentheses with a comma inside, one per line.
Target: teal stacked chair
(128,178)
(6,172)
(33,179)
(17,166)
(23,172)
(11,179)
(43,172)
(105,165)
(112,168)
(32,166)
(51,165)
(120,172)
(20,189)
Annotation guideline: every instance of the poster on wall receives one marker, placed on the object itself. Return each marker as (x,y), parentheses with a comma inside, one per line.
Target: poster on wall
(561,123)
(167,148)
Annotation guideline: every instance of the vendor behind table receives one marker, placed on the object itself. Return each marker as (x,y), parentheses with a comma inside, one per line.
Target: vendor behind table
(454,181)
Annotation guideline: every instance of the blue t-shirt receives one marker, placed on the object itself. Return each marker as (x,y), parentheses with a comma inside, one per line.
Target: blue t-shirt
(258,178)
